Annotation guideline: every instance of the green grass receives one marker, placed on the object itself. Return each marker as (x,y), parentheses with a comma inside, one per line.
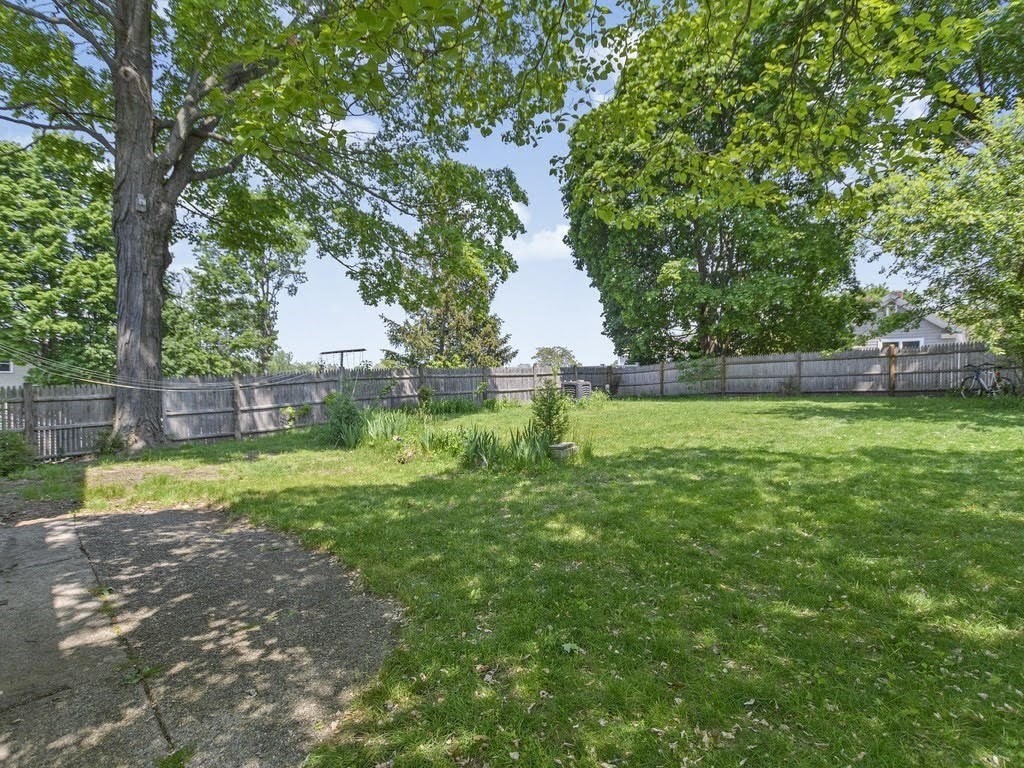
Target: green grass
(759,582)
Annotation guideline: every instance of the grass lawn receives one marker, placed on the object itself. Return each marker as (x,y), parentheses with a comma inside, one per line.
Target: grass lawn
(759,582)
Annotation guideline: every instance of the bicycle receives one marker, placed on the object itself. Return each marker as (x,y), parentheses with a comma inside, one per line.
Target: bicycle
(986,379)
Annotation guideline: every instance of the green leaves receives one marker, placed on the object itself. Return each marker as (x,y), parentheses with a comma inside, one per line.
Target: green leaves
(954,227)
(225,318)
(57,272)
(740,141)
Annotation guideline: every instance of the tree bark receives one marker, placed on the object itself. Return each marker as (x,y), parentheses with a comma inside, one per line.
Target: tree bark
(142,221)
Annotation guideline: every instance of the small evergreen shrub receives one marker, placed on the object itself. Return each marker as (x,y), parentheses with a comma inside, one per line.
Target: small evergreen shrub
(551,411)
(346,424)
(14,453)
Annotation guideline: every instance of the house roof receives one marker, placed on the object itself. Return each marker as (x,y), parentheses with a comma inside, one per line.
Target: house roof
(897,300)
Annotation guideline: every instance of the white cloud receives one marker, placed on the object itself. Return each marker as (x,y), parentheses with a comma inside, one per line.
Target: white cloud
(360,126)
(912,109)
(522,212)
(358,129)
(543,245)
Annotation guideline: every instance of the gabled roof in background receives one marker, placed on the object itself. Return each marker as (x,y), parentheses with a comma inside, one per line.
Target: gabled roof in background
(897,300)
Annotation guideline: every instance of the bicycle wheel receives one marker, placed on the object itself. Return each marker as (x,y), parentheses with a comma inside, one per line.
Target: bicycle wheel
(971,387)
(1005,386)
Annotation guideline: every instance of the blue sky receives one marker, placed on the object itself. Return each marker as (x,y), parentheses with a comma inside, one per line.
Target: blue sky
(546,302)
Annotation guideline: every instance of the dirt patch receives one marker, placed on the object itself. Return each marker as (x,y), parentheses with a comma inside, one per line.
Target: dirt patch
(129,473)
(13,507)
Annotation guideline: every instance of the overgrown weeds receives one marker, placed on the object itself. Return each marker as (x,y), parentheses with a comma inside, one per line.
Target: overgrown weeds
(385,425)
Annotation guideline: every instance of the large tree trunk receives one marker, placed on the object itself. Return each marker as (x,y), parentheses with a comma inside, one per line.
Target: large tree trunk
(142,221)
(141,265)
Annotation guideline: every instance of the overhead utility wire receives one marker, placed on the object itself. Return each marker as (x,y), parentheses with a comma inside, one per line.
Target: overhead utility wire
(89,376)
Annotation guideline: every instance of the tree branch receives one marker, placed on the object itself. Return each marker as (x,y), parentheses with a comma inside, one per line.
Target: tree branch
(73,125)
(85,33)
(221,170)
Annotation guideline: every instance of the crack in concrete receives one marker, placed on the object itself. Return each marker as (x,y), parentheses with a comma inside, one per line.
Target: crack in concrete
(126,646)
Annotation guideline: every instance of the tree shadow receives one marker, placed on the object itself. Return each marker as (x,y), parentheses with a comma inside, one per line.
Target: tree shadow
(63,700)
(664,603)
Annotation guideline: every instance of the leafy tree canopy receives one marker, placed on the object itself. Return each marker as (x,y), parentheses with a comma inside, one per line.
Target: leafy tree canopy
(712,200)
(457,260)
(252,250)
(449,335)
(555,357)
(955,228)
(340,107)
(56,260)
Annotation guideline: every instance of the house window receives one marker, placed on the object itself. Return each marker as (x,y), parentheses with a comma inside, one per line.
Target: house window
(6,366)
(902,343)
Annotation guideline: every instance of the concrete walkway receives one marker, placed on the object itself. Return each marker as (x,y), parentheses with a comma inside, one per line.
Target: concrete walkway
(127,637)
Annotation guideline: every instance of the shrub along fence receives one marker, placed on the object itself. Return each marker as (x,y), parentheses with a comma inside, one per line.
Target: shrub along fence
(66,421)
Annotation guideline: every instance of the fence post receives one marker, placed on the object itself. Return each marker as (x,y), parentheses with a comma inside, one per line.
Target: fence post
(236,406)
(28,412)
(534,380)
(661,380)
(891,353)
(800,373)
(722,375)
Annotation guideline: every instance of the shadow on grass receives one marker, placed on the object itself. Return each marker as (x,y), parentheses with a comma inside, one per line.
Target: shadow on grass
(670,604)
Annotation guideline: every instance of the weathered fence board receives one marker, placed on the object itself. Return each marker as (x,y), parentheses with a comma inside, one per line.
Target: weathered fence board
(67,420)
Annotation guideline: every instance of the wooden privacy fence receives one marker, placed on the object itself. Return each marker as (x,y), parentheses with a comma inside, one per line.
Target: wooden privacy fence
(67,420)
(64,421)
(869,371)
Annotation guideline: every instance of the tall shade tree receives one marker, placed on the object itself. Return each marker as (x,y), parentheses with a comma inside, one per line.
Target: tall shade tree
(452,267)
(335,103)
(955,228)
(555,357)
(56,261)
(448,335)
(710,199)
